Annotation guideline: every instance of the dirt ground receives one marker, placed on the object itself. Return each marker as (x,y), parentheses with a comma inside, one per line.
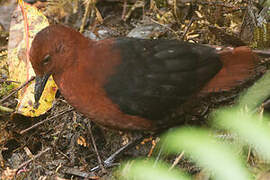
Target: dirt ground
(60,145)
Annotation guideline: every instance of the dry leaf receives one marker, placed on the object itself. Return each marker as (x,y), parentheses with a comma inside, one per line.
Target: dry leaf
(8,174)
(81,141)
(22,32)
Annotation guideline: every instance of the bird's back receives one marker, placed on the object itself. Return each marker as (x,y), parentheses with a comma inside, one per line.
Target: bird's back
(156,76)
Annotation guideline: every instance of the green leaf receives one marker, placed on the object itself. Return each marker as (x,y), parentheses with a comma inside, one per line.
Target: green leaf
(256,94)
(267,2)
(220,159)
(148,170)
(251,129)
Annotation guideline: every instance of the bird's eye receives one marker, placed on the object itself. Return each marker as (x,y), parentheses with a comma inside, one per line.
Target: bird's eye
(46,59)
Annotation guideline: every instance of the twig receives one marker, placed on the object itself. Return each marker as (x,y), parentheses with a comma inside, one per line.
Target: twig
(35,157)
(17,89)
(124,9)
(218,3)
(159,155)
(89,8)
(60,135)
(205,111)
(154,144)
(78,172)
(63,154)
(137,4)
(6,109)
(8,81)
(95,148)
(249,153)
(176,161)
(263,53)
(48,119)
(57,142)
(188,27)
(163,25)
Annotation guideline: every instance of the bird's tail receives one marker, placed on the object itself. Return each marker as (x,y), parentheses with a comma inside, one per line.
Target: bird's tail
(238,65)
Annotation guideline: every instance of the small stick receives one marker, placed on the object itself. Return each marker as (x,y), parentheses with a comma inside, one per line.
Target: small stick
(124,10)
(48,119)
(249,153)
(17,89)
(35,157)
(176,161)
(6,109)
(165,26)
(264,53)
(137,4)
(89,7)
(78,172)
(188,27)
(154,143)
(8,81)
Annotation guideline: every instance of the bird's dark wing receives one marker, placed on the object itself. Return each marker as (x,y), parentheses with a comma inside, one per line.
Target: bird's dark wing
(156,76)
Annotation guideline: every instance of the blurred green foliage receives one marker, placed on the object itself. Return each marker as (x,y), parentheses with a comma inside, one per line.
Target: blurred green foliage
(147,170)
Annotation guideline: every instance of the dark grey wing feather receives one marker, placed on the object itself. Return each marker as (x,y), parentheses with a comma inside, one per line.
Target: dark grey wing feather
(156,76)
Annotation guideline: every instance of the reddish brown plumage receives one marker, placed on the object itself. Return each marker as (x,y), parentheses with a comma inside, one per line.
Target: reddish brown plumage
(129,83)
(100,108)
(238,65)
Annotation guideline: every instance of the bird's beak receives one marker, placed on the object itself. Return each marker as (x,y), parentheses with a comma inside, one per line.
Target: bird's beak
(39,87)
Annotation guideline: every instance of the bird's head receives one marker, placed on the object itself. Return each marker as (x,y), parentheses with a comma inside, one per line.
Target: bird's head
(52,51)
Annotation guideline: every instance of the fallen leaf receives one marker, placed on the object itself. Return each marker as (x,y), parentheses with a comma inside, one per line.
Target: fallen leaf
(25,23)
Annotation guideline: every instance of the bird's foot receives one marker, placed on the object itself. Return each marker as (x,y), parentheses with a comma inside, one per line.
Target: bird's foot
(109,162)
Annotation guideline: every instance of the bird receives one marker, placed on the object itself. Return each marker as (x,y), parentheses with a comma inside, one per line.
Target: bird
(133,84)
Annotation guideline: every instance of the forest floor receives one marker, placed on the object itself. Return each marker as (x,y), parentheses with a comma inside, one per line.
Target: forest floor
(60,147)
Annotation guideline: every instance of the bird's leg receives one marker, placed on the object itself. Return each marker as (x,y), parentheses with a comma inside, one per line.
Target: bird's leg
(109,162)
(95,147)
